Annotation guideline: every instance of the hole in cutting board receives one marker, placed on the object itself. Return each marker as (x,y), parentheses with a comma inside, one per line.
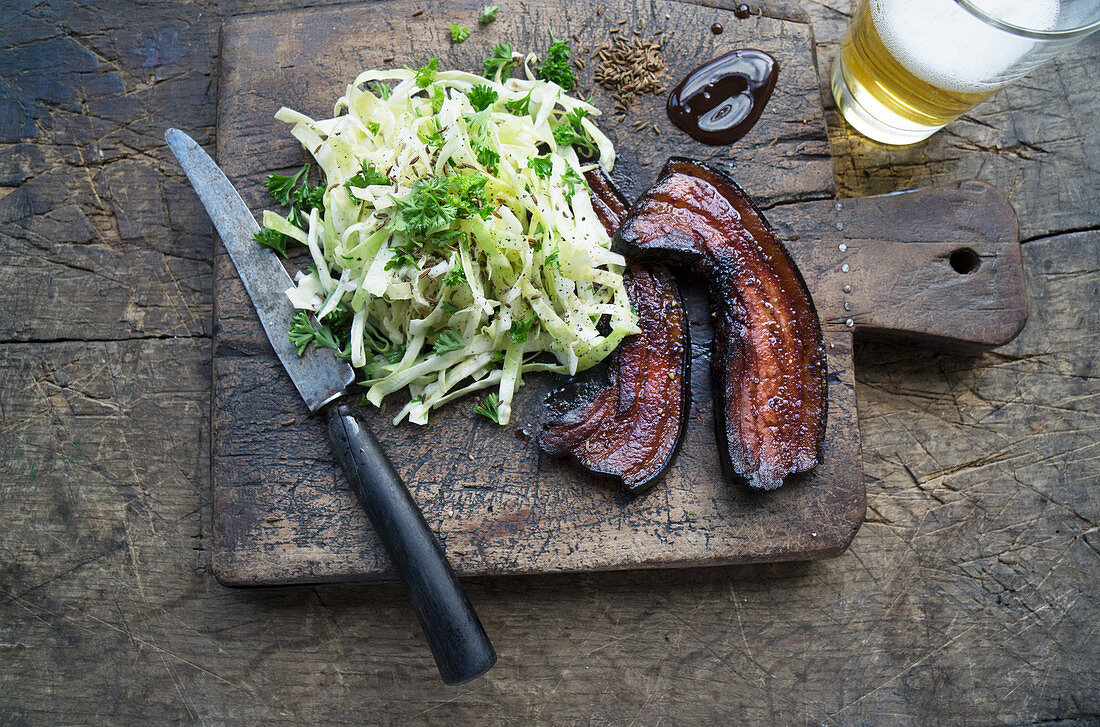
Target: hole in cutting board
(964,261)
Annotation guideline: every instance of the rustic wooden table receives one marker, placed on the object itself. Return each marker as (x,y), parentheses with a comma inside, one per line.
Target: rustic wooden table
(970,595)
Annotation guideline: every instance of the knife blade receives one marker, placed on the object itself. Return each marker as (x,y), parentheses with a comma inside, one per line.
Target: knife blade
(454,633)
(319,376)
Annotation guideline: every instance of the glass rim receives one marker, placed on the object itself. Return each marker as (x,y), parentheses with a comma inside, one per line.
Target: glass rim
(1027,32)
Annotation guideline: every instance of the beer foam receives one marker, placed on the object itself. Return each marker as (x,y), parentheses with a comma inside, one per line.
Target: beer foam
(944,45)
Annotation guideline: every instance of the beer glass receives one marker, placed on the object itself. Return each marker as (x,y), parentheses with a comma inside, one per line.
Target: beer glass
(908,67)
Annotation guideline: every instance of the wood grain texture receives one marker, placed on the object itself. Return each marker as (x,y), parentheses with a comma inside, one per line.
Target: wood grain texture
(969,596)
(281,511)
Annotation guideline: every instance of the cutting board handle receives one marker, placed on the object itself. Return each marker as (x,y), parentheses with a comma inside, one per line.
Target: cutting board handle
(939,265)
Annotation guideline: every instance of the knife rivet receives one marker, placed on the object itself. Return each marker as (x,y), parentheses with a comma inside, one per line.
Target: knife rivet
(838,206)
(840,225)
(847,289)
(849,323)
(842,247)
(847,306)
(845,268)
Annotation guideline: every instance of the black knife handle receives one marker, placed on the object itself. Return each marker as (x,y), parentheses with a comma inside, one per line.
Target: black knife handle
(458,642)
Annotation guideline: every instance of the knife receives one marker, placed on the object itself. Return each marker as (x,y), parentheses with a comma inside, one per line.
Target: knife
(458,642)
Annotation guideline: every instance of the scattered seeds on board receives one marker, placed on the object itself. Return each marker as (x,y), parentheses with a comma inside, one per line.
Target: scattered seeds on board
(629,67)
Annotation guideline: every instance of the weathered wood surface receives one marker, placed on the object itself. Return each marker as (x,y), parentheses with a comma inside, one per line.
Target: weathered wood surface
(969,596)
(282,512)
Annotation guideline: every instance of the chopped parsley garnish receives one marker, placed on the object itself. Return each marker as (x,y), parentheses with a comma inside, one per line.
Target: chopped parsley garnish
(282,187)
(436,202)
(373,127)
(520,106)
(449,307)
(402,256)
(438,97)
(366,176)
(571,179)
(302,333)
(447,341)
(570,132)
(488,14)
(500,61)
(381,90)
(273,239)
(426,74)
(555,67)
(459,33)
(295,192)
(323,337)
(487,157)
(517,333)
(552,259)
(455,276)
(488,408)
(542,165)
(306,197)
(482,97)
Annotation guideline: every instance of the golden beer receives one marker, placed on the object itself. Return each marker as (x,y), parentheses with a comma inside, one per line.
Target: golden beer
(908,67)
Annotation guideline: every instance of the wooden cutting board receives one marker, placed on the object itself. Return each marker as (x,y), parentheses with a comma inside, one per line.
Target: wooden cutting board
(940,264)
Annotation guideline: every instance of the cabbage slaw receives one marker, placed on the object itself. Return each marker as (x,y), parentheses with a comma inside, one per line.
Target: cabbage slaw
(522,279)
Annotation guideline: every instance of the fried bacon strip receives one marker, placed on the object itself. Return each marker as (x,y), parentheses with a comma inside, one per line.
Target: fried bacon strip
(632,428)
(769,358)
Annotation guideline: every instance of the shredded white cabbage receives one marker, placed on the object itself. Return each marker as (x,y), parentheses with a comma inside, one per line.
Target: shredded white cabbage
(474,296)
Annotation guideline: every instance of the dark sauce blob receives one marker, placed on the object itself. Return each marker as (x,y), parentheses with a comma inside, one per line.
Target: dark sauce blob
(716,28)
(720,101)
(742,11)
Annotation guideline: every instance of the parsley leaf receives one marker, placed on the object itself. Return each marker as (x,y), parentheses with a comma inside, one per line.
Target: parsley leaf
(448,340)
(459,33)
(307,198)
(402,256)
(488,408)
(570,132)
(438,97)
(517,333)
(542,165)
(373,127)
(381,90)
(555,67)
(435,138)
(449,307)
(488,14)
(520,106)
(500,62)
(366,176)
(273,239)
(438,201)
(282,187)
(323,337)
(426,75)
(455,276)
(482,97)
(487,157)
(302,333)
(571,179)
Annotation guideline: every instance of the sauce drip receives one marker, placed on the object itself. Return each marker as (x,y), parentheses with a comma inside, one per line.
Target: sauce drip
(720,101)
(716,28)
